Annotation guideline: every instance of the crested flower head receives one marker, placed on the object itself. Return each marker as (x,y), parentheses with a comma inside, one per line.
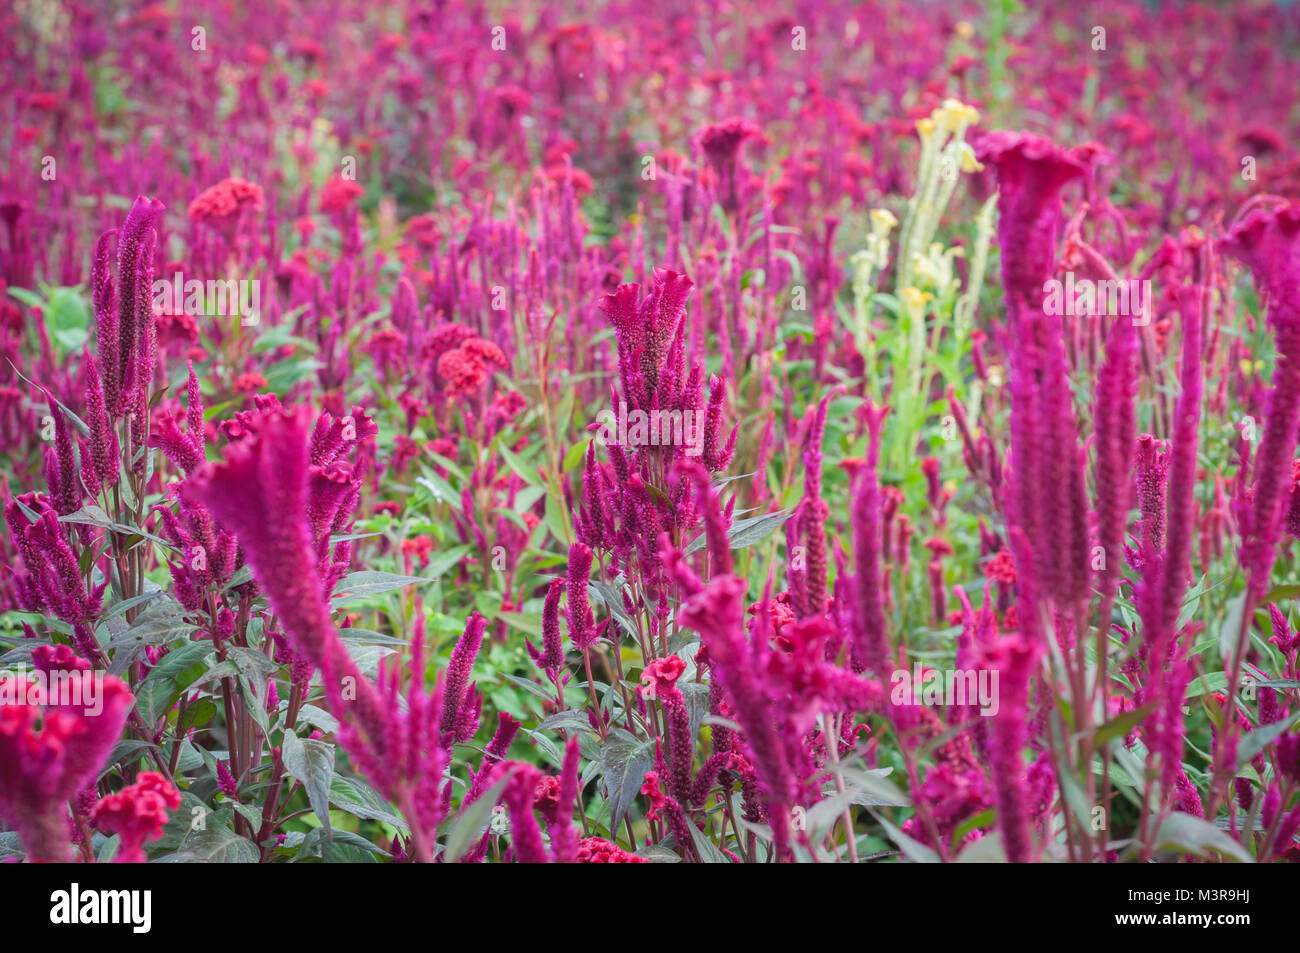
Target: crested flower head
(597,850)
(661,676)
(339,193)
(1031,171)
(48,756)
(1266,239)
(137,814)
(222,206)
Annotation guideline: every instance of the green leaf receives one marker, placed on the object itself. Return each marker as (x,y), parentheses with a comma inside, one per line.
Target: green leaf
(118,608)
(92,515)
(526,685)
(720,482)
(658,854)
(1230,628)
(175,672)
(528,624)
(568,720)
(322,719)
(240,576)
(472,822)
(444,560)
(913,850)
(368,657)
(76,421)
(527,472)
(624,760)
(359,799)
(575,457)
(312,763)
(252,664)
(748,531)
(872,789)
(213,845)
(987,850)
(1278,683)
(1193,835)
(198,714)
(368,582)
(345,847)
(336,847)
(822,816)
(126,752)
(248,812)
(440,488)
(68,317)
(707,850)
(1260,738)
(1207,683)
(1280,593)
(28,297)
(11,848)
(367,637)
(254,696)
(612,600)
(162,622)
(553,517)
(1120,725)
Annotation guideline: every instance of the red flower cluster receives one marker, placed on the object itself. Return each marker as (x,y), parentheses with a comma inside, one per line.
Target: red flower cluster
(597,850)
(1002,568)
(661,675)
(137,813)
(339,193)
(222,205)
(464,369)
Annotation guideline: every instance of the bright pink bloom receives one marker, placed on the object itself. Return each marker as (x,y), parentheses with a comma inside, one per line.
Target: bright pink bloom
(43,768)
(137,814)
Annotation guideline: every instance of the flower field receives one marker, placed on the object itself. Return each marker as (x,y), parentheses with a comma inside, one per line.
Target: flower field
(810,432)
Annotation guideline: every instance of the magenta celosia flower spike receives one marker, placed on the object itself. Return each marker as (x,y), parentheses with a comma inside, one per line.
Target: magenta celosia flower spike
(134,302)
(1267,240)
(1115,422)
(582,624)
(870,648)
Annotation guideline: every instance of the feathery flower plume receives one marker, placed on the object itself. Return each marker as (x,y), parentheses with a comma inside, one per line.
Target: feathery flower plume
(870,647)
(137,814)
(582,624)
(1115,418)
(551,657)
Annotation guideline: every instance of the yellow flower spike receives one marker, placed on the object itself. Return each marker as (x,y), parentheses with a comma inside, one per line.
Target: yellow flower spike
(969,163)
(1246,366)
(913,297)
(923,268)
(883,221)
(954,115)
(925,127)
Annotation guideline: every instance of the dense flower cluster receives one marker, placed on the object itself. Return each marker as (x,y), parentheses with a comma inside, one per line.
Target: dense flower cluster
(807,440)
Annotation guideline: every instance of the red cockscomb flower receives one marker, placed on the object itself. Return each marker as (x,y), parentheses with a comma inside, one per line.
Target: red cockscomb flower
(137,814)
(339,194)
